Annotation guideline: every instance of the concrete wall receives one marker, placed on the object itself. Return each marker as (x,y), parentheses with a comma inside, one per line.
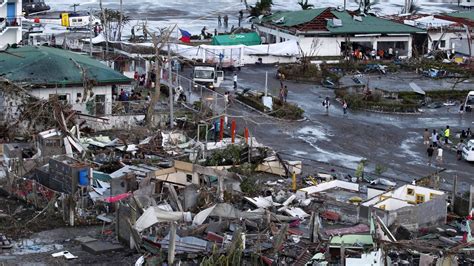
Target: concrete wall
(429,213)
(10,35)
(392,204)
(402,193)
(447,37)
(372,192)
(72,96)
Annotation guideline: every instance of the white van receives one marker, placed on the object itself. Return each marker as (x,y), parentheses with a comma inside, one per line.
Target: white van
(468,151)
(469,104)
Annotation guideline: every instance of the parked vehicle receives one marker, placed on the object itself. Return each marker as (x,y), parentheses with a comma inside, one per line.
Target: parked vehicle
(208,76)
(468,151)
(469,103)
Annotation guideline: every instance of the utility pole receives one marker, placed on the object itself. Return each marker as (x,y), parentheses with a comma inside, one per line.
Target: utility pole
(119,35)
(90,31)
(170,79)
(104,26)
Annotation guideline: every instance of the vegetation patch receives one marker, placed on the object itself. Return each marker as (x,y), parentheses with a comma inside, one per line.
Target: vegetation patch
(280,109)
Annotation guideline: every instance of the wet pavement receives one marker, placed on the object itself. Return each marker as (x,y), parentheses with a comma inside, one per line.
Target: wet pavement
(393,141)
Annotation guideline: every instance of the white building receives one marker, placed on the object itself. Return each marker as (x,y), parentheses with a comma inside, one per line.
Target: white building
(50,72)
(443,31)
(327,32)
(10,22)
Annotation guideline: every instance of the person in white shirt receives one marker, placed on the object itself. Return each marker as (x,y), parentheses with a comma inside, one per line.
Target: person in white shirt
(235,81)
(439,156)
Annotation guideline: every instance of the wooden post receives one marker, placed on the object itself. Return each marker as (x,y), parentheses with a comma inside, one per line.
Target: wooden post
(343,254)
(246,135)
(172,244)
(232,129)
(293,177)
(221,128)
(471,197)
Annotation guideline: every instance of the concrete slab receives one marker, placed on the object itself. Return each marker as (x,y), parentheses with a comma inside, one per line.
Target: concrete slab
(101,247)
(85,239)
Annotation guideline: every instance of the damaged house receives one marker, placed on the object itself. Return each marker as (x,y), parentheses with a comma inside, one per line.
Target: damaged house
(331,32)
(75,79)
(408,205)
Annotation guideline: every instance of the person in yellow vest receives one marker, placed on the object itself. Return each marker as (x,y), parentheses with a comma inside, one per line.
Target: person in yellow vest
(447,132)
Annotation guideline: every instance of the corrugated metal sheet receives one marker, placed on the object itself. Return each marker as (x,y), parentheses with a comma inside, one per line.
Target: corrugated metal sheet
(39,65)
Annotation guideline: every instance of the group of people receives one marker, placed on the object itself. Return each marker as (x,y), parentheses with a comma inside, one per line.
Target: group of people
(125,96)
(361,54)
(434,141)
(139,79)
(225,19)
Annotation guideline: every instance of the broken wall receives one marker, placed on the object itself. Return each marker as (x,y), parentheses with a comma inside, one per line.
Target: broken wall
(427,214)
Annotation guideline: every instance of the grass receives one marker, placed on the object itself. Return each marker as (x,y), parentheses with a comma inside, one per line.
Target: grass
(280,110)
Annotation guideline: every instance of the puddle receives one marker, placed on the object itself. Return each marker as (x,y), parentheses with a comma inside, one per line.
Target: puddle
(32,246)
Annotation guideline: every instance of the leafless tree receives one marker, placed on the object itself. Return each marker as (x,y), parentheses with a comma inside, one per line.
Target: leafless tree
(158,42)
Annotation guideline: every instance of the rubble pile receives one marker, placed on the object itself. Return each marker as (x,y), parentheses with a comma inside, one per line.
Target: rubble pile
(172,198)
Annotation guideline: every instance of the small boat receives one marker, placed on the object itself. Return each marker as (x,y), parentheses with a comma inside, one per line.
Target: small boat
(449,103)
(34,6)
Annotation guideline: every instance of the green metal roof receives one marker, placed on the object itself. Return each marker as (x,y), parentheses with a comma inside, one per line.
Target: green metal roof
(352,240)
(251,38)
(40,65)
(466,15)
(368,25)
(293,18)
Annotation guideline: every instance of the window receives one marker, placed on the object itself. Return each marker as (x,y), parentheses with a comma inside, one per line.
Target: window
(400,45)
(410,192)
(442,44)
(433,195)
(420,198)
(189,178)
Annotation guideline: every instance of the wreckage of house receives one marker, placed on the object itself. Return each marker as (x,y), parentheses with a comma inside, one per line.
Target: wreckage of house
(409,205)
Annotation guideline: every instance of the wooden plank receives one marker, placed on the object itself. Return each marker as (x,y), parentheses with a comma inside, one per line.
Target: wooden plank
(214,172)
(165,171)
(183,166)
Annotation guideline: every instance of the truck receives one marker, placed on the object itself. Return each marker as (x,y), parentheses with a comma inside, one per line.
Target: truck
(469,103)
(207,75)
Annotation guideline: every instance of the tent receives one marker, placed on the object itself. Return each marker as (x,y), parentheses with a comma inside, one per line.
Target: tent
(251,38)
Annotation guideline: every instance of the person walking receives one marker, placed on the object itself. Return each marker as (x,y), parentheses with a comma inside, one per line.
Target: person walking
(226,21)
(459,150)
(434,138)
(235,81)
(430,152)
(447,133)
(326,104)
(439,155)
(226,99)
(426,137)
(219,20)
(344,106)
